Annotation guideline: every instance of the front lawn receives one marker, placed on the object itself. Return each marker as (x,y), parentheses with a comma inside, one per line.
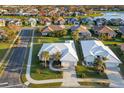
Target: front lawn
(46,73)
(88,72)
(3,49)
(49,85)
(112,42)
(94,84)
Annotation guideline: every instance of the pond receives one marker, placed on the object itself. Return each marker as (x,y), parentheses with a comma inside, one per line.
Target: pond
(112,15)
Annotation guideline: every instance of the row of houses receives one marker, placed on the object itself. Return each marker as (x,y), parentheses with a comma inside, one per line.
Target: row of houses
(91,49)
(83,30)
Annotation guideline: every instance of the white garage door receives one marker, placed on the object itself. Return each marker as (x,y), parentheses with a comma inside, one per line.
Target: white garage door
(67,64)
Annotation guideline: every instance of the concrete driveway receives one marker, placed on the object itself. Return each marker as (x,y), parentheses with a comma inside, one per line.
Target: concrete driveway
(115,77)
(69,77)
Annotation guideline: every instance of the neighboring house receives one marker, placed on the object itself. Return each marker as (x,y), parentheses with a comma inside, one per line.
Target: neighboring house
(2,34)
(100,21)
(83,31)
(115,22)
(67,50)
(2,22)
(47,21)
(51,28)
(104,30)
(87,21)
(61,21)
(72,21)
(121,29)
(92,49)
(33,22)
(18,23)
(122,47)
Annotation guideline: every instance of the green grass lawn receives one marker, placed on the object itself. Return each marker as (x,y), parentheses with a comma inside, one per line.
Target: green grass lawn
(49,85)
(94,84)
(3,48)
(112,42)
(88,72)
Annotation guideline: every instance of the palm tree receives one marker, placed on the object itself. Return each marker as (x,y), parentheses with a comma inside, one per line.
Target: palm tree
(99,65)
(75,35)
(57,56)
(45,57)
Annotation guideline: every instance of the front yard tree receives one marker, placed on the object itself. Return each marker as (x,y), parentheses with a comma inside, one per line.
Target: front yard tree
(64,32)
(75,35)
(45,57)
(57,56)
(99,65)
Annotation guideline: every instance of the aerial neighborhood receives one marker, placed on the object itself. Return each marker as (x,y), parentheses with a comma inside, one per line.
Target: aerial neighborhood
(61,46)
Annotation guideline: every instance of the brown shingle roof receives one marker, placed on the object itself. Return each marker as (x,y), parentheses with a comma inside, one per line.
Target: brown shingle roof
(106,29)
(103,29)
(52,28)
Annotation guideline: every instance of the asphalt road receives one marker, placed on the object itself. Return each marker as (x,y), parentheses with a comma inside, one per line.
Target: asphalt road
(11,75)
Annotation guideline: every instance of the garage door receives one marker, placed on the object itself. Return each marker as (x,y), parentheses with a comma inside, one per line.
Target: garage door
(67,64)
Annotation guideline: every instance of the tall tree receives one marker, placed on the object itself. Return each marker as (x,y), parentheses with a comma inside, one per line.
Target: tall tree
(75,35)
(99,65)
(45,57)
(57,56)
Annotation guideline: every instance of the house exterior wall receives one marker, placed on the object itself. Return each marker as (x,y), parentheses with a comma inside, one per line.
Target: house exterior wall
(89,60)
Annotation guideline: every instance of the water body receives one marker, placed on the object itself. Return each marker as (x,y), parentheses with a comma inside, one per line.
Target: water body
(112,15)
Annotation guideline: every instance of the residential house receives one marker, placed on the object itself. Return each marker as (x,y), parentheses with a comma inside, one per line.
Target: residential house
(122,47)
(2,34)
(87,21)
(33,22)
(47,21)
(67,50)
(51,28)
(115,22)
(83,31)
(2,22)
(104,31)
(18,23)
(72,21)
(121,29)
(60,21)
(100,21)
(92,49)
